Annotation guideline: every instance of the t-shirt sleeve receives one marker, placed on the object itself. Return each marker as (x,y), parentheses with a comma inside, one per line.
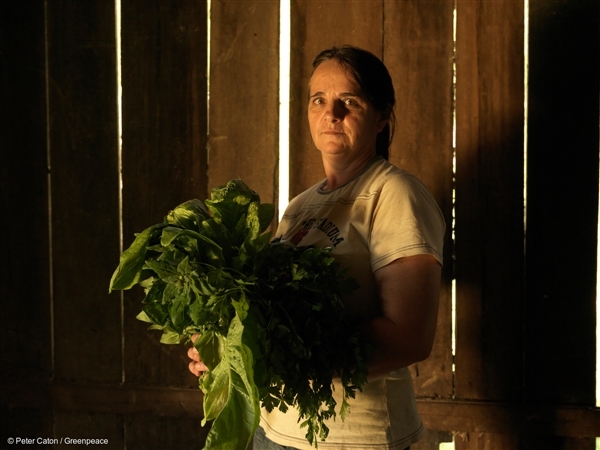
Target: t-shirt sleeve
(406,222)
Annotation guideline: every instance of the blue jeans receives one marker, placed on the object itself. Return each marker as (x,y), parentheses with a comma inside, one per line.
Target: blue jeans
(261,442)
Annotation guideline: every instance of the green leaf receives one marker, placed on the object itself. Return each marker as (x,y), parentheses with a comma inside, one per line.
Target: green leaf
(196,310)
(229,203)
(211,347)
(188,215)
(253,338)
(169,234)
(345,409)
(156,292)
(195,244)
(266,212)
(231,397)
(177,312)
(132,260)
(241,306)
(172,255)
(163,269)
(184,267)
(157,313)
(169,293)
(253,226)
(171,337)
(218,233)
(252,254)
(143,317)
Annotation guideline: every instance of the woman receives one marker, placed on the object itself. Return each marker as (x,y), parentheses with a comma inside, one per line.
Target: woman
(383,225)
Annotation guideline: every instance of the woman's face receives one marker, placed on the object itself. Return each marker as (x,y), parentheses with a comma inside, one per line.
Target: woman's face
(342,120)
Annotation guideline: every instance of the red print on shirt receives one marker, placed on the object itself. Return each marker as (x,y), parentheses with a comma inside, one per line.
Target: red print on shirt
(296,238)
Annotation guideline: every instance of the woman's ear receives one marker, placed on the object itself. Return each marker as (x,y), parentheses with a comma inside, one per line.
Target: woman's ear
(383,121)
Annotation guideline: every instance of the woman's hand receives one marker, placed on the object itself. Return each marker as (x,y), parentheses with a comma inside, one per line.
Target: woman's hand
(196,366)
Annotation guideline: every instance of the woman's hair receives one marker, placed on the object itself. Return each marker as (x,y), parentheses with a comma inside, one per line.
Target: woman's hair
(374,79)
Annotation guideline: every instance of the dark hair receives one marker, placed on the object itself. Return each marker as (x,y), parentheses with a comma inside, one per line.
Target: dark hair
(374,79)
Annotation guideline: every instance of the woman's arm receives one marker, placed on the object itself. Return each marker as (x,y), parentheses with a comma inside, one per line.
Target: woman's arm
(409,294)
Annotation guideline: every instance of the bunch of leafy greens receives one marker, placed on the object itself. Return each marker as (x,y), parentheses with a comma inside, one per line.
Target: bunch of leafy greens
(272,328)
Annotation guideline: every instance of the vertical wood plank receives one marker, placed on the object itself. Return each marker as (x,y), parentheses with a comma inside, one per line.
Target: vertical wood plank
(489,200)
(164,164)
(562,201)
(164,150)
(244,95)
(84,180)
(84,202)
(181,433)
(316,26)
(90,425)
(418,52)
(24,267)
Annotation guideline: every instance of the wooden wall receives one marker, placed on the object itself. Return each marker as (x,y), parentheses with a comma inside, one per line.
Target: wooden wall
(76,363)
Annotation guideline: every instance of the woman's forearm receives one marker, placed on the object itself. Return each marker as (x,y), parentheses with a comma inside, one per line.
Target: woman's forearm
(394,348)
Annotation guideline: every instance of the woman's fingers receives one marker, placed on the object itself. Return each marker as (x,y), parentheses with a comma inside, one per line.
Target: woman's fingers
(196,366)
(193,354)
(193,366)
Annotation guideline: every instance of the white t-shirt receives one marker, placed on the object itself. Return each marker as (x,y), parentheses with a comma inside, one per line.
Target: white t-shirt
(380,216)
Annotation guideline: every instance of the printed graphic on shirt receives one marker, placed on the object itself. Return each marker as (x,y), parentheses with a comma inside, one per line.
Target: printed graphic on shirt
(296,238)
(325,225)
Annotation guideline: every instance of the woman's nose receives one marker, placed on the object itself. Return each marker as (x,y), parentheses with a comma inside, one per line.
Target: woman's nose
(335,111)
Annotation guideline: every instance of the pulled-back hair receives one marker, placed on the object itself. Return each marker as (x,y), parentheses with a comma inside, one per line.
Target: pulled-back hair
(374,79)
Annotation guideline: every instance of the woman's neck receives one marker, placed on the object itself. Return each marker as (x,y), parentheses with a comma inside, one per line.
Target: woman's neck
(340,171)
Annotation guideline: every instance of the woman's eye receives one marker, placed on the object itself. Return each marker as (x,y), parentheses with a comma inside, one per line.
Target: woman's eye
(318,101)
(349,102)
